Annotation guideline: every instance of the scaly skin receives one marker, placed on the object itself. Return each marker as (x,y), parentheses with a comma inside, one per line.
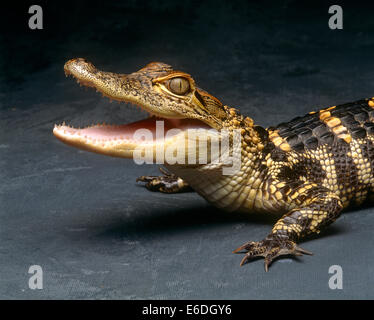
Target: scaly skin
(306,170)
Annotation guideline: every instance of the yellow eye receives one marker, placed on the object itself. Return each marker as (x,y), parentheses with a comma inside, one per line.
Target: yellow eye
(179,85)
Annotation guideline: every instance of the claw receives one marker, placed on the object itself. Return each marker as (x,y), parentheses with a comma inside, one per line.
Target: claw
(165,172)
(266,264)
(167,183)
(269,249)
(303,251)
(246,246)
(237,250)
(145,178)
(244,260)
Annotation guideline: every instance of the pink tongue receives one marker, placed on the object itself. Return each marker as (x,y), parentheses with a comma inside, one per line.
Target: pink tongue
(126,131)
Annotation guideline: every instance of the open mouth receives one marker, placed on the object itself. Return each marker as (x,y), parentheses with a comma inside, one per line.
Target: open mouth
(127,133)
(123,140)
(148,88)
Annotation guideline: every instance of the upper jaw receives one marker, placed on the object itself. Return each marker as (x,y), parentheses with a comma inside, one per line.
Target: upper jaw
(147,88)
(137,88)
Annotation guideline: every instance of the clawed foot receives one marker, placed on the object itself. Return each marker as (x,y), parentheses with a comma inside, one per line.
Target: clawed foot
(167,183)
(269,248)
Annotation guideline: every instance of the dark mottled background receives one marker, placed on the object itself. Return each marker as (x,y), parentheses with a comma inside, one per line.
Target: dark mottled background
(81,216)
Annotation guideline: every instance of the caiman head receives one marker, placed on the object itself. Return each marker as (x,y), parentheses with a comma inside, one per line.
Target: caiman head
(168,95)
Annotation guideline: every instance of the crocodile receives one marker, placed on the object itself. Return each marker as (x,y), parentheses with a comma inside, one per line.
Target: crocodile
(305,171)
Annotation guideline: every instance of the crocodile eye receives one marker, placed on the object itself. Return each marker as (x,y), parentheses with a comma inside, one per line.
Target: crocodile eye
(179,85)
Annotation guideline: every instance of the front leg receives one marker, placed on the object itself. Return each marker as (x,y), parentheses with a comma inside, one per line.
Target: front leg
(167,183)
(317,207)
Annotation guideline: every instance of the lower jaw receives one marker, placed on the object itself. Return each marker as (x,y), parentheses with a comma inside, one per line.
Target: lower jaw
(122,140)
